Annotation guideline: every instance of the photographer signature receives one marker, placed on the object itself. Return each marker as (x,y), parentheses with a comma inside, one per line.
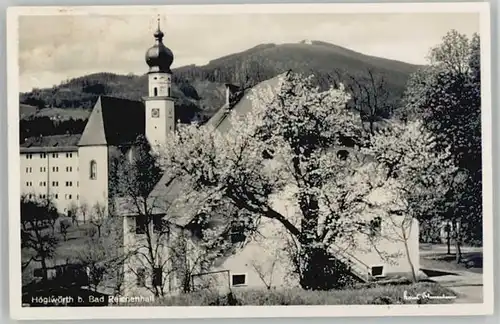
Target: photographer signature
(426,295)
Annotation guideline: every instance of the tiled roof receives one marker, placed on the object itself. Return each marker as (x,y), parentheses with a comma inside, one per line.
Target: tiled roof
(166,192)
(114,121)
(52,143)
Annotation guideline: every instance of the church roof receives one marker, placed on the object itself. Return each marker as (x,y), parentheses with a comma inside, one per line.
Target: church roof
(51,143)
(114,121)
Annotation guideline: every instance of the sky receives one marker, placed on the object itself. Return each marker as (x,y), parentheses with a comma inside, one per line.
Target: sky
(56,48)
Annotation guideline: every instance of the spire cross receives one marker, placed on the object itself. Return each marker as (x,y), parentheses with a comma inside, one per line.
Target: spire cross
(158,19)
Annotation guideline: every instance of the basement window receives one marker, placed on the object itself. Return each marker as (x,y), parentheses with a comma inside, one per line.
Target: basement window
(377,271)
(238,280)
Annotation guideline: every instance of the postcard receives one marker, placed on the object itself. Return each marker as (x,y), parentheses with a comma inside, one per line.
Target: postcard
(262,160)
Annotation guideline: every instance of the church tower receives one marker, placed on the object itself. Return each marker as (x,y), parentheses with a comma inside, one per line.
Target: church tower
(159,104)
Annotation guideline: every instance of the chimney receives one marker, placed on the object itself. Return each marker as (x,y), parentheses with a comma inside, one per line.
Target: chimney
(228,94)
(231,91)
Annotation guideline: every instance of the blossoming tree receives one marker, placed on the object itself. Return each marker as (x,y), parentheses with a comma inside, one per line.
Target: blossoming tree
(289,152)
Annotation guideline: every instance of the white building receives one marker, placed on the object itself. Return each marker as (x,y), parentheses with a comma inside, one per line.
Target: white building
(50,170)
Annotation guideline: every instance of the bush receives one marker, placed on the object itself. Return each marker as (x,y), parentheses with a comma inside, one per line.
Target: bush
(389,294)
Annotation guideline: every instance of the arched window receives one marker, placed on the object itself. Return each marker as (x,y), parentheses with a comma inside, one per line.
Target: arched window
(155,91)
(93,170)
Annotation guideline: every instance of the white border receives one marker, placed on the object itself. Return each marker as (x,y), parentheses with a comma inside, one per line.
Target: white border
(18,312)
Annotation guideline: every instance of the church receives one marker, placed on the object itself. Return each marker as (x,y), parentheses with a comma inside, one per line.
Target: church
(74,172)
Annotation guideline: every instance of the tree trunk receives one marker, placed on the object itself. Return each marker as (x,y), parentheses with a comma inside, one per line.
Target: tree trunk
(410,262)
(458,252)
(45,275)
(448,241)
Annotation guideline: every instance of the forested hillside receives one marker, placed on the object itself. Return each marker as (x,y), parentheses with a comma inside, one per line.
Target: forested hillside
(200,89)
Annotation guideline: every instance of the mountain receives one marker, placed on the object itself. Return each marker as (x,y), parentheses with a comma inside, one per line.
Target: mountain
(200,89)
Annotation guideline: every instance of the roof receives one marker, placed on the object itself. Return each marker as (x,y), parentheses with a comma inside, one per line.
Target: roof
(166,191)
(114,121)
(52,143)
(220,119)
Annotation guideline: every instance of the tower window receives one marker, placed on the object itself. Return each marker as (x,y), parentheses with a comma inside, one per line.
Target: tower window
(93,170)
(168,92)
(155,91)
(155,112)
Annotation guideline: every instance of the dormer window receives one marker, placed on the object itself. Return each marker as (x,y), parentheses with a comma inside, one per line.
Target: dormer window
(93,170)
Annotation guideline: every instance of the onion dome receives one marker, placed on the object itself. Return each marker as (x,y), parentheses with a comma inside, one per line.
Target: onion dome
(159,57)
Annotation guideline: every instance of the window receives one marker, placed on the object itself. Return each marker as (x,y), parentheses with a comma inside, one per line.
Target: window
(77,197)
(93,170)
(237,233)
(28,184)
(55,183)
(56,196)
(55,169)
(55,155)
(157,277)
(158,225)
(29,156)
(43,155)
(376,226)
(342,155)
(168,92)
(69,169)
(238,280)
(377,271)
(140,224)
(69,183)
(141,277)
(155,113)
(69,155)
(43,184)
(155,90)
(69,196)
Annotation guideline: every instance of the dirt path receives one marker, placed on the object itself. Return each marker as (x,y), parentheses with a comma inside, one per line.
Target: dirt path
(467,285)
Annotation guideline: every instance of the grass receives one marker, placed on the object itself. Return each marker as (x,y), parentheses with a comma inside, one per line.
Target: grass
(65,249)
(387,294)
